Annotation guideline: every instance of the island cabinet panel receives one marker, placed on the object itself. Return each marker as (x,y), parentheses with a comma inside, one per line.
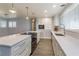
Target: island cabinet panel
(22,48)
(5,51)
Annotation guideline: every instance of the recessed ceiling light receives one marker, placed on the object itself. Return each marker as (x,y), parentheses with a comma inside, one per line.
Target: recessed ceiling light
(54,6)
(45,11)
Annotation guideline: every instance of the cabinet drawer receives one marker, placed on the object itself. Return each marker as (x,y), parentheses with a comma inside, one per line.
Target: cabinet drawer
(24,53)
(18,48)
(27,50)
(21,47)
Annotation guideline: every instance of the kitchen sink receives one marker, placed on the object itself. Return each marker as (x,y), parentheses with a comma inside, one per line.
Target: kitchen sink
(60,34)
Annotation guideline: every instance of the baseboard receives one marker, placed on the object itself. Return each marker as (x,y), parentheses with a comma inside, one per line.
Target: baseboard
(45,37)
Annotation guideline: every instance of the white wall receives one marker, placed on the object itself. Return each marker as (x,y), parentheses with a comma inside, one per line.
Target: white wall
(70,17)
(56,20)
(69,9)
(3,30)
(48,22)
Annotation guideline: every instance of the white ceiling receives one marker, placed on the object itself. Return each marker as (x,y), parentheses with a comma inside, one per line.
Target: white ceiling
(34,8)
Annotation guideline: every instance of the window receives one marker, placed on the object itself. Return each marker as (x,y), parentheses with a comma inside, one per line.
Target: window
(12,24)
(3,24)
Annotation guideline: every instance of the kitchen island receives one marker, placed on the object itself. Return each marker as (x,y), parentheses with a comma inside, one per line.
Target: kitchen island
(65,45)
(15,45)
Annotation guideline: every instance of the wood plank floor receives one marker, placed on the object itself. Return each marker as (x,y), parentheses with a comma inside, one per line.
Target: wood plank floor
(44,48)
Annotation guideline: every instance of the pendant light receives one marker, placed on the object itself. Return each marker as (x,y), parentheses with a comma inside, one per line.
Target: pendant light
(27,17)
(12,9)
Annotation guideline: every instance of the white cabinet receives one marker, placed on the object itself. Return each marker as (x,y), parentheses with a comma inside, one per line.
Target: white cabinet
(56,47)
(46,34)
(22,48)
(38,37)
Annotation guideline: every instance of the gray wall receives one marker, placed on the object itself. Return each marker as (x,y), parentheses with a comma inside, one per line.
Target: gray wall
(3,30)
(22,25)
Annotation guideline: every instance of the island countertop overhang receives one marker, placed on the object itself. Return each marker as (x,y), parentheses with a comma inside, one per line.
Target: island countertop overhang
(12,39)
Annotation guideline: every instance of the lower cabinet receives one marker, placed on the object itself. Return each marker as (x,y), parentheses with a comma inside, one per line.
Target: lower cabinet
(57,49)
(22,48)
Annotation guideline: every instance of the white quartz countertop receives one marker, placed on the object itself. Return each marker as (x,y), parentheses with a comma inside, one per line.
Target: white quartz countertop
(12,39)
(32,31)
(69,45)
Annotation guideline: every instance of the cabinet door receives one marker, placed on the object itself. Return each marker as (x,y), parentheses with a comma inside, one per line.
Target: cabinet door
(27,50)
(38,37)
(57,49)
(45,33)
(22,47)
(18,48)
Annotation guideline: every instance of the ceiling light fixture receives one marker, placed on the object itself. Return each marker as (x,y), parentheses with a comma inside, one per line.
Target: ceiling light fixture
(12,9)
(54,6)
(27,17)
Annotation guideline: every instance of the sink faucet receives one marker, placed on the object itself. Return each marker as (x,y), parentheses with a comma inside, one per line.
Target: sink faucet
(62,26)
